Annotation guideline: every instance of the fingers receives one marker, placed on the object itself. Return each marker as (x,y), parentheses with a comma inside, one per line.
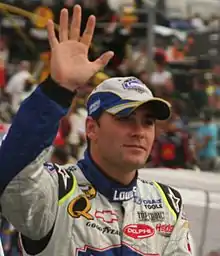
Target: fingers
(76,23)
(74,33)
(89,31)
(63,28)
(51,34)
(103,60)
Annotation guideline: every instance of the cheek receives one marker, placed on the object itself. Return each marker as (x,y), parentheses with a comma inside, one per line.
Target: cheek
(103,138)
(109,139)
(150,138)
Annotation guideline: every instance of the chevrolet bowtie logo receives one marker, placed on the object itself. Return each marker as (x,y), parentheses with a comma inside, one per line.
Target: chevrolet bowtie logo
(106,216)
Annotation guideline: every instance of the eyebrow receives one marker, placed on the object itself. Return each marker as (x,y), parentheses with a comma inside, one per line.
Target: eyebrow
(147,115)
(150,115)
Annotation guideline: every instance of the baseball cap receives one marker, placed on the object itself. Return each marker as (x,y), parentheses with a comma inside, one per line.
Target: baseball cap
(122,95)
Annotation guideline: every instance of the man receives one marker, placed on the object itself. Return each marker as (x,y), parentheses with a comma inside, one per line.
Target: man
(16,84)
(172,147)
(207,138)
(161,79)
(99,206)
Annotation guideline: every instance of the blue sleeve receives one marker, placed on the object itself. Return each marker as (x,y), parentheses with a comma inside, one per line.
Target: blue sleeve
(199,133)
(211,131)
(33,129)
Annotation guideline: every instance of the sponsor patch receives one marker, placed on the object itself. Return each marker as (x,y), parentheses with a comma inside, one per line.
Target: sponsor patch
(175,200)
(94,106)
(139,231)
(151,216)
(65,180)
(149,203)
(106,216)
(89,190)
(80,207)
(164,229)
(123,195)
(136,85)
(104,230)
(146,182)
(50,166)
(173,197)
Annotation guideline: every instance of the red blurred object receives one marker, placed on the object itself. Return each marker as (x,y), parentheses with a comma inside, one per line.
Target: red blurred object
(160,54)
(63,132)
(2,127)
(2,76)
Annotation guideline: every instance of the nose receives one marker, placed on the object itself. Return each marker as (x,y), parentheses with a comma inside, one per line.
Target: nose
(138,129)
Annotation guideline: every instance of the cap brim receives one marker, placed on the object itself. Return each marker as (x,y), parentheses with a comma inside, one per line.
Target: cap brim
(160,108)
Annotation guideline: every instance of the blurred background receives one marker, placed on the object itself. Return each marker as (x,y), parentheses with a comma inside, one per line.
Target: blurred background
(172,46)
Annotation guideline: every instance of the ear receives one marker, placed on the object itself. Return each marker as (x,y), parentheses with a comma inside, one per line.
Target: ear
(91,128)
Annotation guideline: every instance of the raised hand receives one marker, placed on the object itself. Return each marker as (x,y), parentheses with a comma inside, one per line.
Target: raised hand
(70,66)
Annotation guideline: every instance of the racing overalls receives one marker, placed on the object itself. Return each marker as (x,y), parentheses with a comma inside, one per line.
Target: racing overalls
(76,209)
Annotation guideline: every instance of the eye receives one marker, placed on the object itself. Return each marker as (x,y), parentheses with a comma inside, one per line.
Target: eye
(123,118)
(149,121)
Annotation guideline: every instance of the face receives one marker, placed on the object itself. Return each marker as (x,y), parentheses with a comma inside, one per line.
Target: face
(123,141)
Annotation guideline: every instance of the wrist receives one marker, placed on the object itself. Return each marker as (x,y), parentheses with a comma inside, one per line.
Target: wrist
(64,85)
(57,93)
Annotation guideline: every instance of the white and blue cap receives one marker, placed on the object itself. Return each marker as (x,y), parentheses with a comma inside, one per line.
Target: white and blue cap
(122,95)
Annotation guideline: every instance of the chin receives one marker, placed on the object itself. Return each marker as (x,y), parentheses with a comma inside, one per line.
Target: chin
(136,162)
(135,159)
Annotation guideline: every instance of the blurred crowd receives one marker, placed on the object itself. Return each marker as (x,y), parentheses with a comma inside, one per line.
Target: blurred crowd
(177,145)
(198,23)
(189,139)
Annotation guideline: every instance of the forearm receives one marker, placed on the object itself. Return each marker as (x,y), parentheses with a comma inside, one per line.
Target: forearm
(33,129)
(181,242)
(30,200)
(29,194)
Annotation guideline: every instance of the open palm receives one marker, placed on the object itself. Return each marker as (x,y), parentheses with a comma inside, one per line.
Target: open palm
(70,66)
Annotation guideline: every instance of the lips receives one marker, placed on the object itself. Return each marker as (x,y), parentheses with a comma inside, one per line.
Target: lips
(135,146)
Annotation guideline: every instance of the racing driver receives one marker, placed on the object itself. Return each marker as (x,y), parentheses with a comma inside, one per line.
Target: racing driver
(100,206)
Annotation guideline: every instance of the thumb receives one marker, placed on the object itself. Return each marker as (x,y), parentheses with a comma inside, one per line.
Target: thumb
(103,59)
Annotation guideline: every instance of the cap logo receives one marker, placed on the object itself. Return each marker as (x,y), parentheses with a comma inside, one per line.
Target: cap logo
(94,106)
(134,84)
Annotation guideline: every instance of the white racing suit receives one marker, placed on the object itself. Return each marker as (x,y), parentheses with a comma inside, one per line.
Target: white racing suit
(75,209)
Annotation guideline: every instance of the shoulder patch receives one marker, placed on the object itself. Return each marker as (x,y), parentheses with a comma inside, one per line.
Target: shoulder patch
(146,181)
(50,166)
(173,197)
(66,180)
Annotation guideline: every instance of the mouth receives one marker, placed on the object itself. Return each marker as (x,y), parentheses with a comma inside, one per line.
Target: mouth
(135,147)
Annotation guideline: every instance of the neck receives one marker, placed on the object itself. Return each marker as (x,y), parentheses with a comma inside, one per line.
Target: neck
(115,172)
